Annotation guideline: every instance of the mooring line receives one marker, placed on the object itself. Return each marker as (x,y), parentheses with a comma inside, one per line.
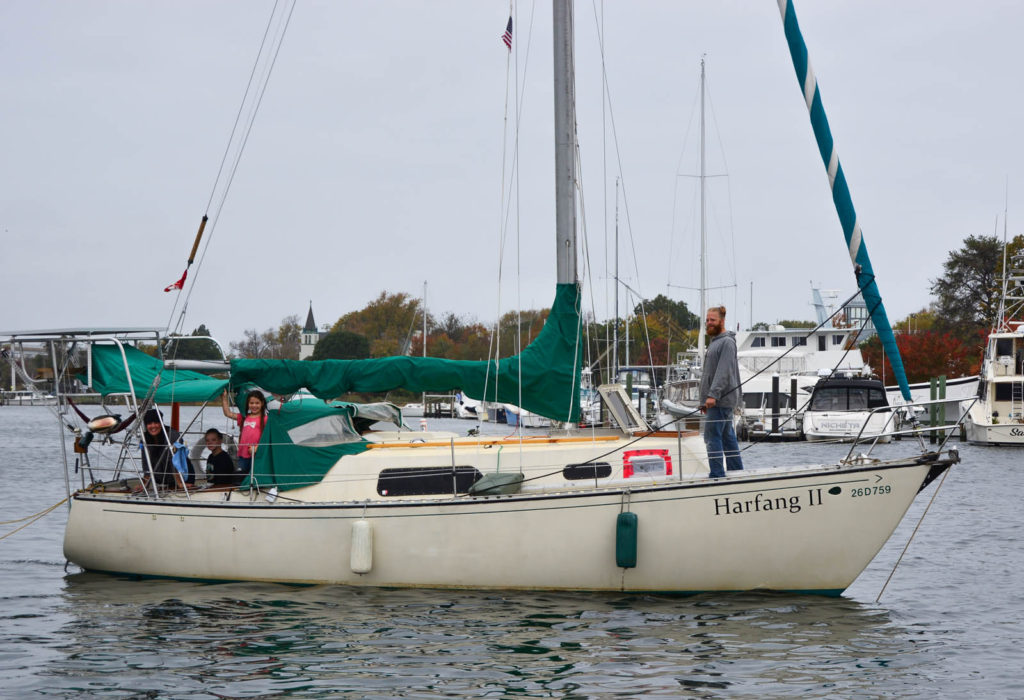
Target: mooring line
(31,518)
(913,534)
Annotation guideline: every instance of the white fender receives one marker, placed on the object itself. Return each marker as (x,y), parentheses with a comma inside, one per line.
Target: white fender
(361,558)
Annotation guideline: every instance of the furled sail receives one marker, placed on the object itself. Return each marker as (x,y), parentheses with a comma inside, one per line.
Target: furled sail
(544,378)
(841,194)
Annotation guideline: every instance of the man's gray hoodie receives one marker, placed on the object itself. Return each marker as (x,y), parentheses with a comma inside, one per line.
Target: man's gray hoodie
(720,376)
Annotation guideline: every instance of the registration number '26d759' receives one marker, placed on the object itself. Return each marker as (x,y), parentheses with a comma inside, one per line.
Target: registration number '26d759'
(871,491)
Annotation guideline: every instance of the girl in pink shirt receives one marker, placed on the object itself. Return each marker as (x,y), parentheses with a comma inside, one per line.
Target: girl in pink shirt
(251,425)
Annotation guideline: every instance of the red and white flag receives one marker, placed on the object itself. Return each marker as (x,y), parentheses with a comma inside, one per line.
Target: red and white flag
(179,284)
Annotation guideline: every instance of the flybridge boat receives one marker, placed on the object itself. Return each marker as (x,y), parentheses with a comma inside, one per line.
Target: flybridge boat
(997,417)
(334,499)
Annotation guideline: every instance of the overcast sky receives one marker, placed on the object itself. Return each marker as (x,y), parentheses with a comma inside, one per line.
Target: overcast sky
(375,163)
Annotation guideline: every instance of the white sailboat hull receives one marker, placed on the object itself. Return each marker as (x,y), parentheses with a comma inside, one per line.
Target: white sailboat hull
(801,529)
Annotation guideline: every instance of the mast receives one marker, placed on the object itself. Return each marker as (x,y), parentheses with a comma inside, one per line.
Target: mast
(565,142)
(615,326)
(423,397)
(701,335)
(1000,320)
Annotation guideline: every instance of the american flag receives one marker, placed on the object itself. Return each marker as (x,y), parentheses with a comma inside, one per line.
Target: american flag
(507,36)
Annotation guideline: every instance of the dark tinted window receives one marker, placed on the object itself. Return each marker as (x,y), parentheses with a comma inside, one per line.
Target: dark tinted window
(594,470)
(831,399)
(1003,392)
(423,481)
(876,399)
(857,399)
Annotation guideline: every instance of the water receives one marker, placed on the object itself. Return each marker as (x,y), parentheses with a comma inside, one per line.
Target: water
(949,624)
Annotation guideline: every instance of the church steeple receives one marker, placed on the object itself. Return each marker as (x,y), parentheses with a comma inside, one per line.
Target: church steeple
(310,335)
(310,326)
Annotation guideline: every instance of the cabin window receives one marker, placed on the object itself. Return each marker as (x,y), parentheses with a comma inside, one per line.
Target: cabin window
(853,398)
(801,340)
(758,399)
(837,339)
(323,432)
(757,342)
(1004,347)
(857,399)
(593,470)
(821,343)
(426,481)
(779,342)
(1003,392)
(829,400)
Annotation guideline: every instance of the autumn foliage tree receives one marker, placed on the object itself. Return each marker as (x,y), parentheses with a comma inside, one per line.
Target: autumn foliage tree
(386,322)
(925,355)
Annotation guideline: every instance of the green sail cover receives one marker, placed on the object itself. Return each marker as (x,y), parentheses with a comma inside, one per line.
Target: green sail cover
(549,369)
(109,377)
(303,439)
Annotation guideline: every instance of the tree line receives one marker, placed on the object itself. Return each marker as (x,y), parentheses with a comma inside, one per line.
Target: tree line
(948,336)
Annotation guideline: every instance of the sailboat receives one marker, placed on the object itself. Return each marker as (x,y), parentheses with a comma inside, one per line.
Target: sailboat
(997,417)
(331,502)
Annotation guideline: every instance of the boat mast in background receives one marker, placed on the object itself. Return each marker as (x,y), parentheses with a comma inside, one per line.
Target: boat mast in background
(701,336)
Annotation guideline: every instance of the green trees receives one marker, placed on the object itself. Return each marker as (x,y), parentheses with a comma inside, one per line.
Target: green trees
(967,294)
(198,349)
(673,313)
(342,345)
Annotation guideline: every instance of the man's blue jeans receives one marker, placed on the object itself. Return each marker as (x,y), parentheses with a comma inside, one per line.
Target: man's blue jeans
(720,439)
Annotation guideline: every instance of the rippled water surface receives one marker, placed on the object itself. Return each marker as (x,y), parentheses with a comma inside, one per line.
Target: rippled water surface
(949,624)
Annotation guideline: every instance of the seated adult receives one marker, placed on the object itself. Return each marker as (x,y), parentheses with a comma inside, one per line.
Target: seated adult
(220,469)
(159,444)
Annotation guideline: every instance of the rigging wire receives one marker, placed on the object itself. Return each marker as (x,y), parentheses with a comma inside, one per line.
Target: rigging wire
(266,59)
